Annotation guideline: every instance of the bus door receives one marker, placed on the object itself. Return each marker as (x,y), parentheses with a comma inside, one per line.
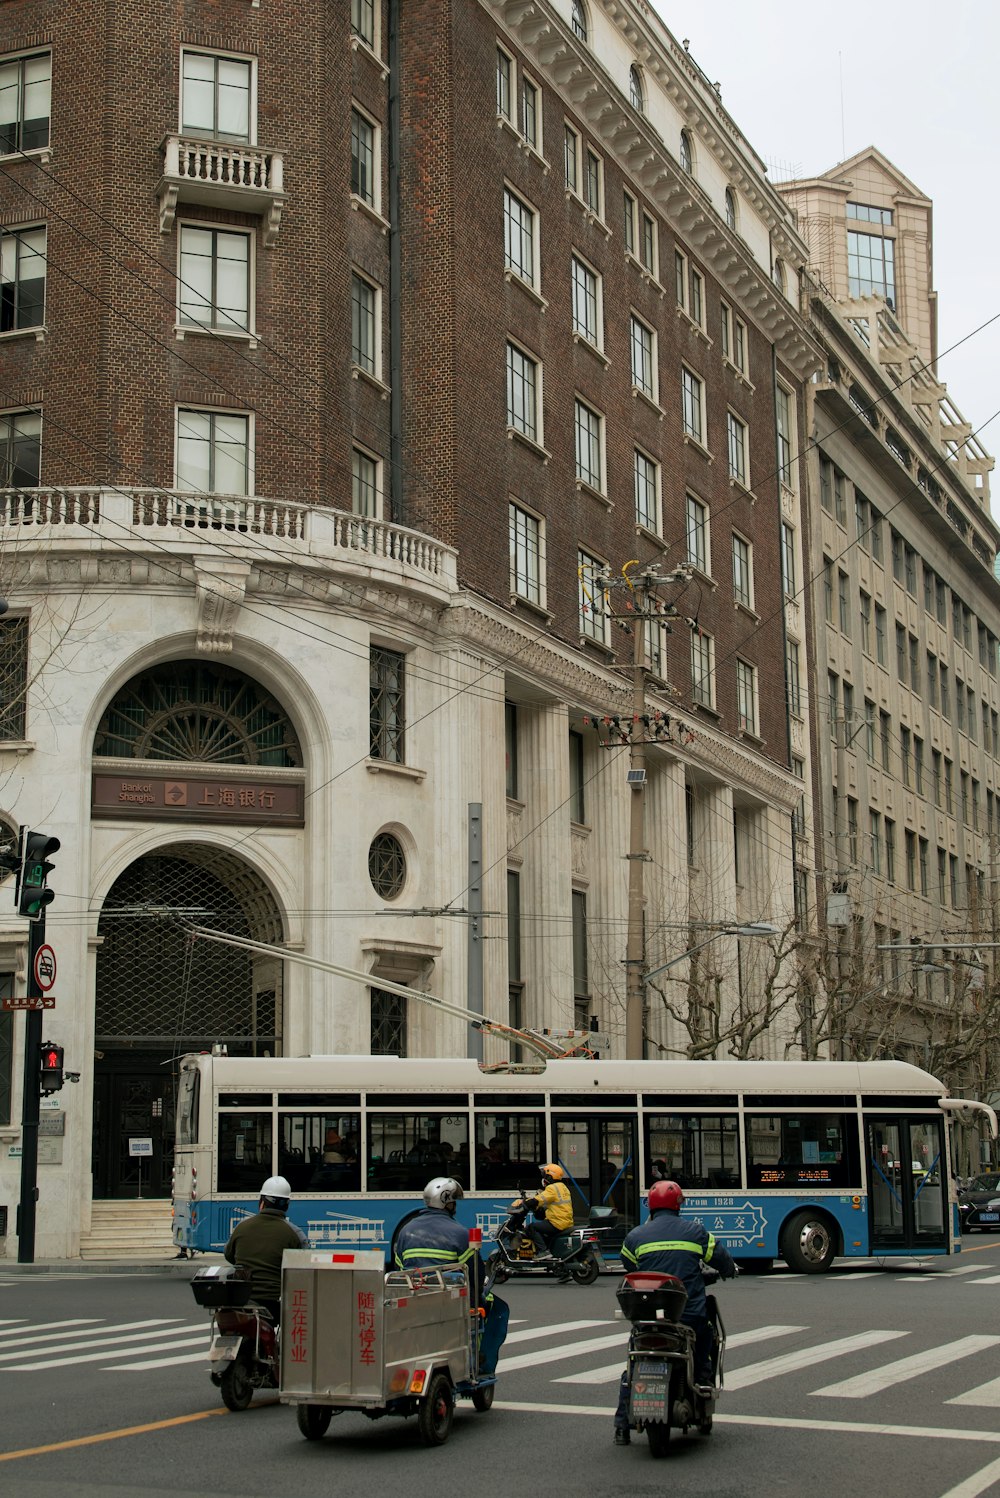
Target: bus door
(907,1183)
(599,1157)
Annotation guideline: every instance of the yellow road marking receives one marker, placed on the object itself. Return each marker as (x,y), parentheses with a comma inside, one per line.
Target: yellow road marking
(116,1435)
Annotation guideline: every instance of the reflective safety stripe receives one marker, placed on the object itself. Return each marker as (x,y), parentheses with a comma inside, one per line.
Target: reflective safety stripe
(448,1254)
(671,1245)
(710,1250)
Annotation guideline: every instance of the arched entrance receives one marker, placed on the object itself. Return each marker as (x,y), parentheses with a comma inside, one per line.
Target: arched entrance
(158,994)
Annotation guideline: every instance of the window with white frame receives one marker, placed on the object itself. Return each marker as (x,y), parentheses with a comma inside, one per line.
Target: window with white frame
(656,647)
(643,345)
(739,458)
(586,285)
(793,674)
(366,350)
(23,262)
(25,102)
(520,238)
(523,392)
(365,159)
(636,93)
(593,608)
(363,20)
(692,405)
(213,452)
(525,555)
(631,224)
(788,569)
(699,551)
(646,486)
(696,306)
(686,154)
(579,20)
(746,697)
(778,275)
(734,339)
(366,484)
(681,278)
(742,570)
(505,84)
(785,416)
(531,113)
(702,668)
(648,249)
(20,449)
(731,208)
(571,158)
(214,279)
(593,183)
(216,95)
(589,443)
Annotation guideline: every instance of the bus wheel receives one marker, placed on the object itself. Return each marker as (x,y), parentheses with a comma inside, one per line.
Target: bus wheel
(807,1243)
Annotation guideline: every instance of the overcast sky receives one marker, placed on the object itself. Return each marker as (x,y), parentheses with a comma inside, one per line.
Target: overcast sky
(921,82)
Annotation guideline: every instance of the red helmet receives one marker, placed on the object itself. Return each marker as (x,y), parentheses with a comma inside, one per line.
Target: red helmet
(665,1196)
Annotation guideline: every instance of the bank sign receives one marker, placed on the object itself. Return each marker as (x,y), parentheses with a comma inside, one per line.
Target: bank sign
(166,796)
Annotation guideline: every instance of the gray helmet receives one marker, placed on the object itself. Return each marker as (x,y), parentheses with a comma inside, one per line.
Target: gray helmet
(276,1192)
(444,1192)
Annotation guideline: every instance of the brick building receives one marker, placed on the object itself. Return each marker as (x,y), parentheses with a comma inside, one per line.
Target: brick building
(352,357)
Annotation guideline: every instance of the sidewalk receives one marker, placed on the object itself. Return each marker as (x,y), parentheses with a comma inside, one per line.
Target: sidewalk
(172,1268)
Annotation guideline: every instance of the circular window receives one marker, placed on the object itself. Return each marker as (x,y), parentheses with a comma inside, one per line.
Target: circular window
(387,865)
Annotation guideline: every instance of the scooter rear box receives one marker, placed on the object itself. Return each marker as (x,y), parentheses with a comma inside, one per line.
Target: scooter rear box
(220,1286)
(652,1301)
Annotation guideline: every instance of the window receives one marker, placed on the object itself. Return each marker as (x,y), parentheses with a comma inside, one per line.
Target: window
(215,96)
(510,748)
(826,484)
(523,406)
(866,622)
(214,284)
(588,427)
(778,275)
(783,414)
(593,183)
(910,842)
(875,532)
(581,985)
(646,484)
(586,303)
(363,20)
(844,602)
(25,102)
(698,549)
(508,1145)
(932,680)
(364,175)
(918,765)
(910,570)
(505,84)
(686,155)
(519,239)
(880,629)
(736,433)
(901,654)
(942,863)
(531,114)
(734,339)
(742,571)
(571,158)
(702,668)
(579,20)
(922,854)
(871,266)
(692,406)
(681,279)
(700,1149)
(832,698)
(386,865)
(936,776)
(839,497)
(949,787)
(593,610)
(365,343)
(525,555)
(388,1038)
(22,279)
(914,648)
(944,691)
(870,731)
(655,647)
(631,219)
(793,678)
(13,686)
(648,253)
(635,90)
(803,1150)
(731,219)
(875,843)
(697,306)
(213,452)
(366,486)
(387,704)
(890,850)
(643,345)
(788,584)
(746,697)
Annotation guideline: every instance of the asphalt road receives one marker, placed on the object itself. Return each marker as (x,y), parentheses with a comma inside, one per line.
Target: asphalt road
(861,1382)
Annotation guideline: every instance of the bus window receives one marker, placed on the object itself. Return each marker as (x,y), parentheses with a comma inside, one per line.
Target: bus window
(693,1149)
(406,1150)
(244,1151)
(188,1094)
(320,1151)
(803,1149)
(509,1149)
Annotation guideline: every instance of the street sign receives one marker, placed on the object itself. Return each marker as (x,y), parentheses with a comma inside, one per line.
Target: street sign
(42,1001)
(140,1146)
(45,967)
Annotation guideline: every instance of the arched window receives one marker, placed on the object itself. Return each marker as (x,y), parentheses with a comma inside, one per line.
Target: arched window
(687,159)
(778,275)
(635,89)
(579,20)
(730,208)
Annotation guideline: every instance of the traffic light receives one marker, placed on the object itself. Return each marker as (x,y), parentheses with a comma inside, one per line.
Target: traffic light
(32,896)
(51,1072)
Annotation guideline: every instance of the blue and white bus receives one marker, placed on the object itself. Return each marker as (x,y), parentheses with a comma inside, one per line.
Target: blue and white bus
(806,1161)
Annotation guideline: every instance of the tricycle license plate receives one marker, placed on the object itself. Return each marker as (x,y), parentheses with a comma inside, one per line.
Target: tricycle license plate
(650,1392)
(224,1349)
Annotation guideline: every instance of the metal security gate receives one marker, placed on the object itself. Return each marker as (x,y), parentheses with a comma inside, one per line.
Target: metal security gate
(160,995)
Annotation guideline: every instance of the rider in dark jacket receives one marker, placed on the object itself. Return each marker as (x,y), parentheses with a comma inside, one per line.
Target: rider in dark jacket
(258,1243)
(670,1244)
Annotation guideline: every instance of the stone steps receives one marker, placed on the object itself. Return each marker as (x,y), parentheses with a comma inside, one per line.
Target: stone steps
(135,1230)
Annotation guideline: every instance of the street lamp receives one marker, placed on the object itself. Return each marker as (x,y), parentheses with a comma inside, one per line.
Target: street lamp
(752,928)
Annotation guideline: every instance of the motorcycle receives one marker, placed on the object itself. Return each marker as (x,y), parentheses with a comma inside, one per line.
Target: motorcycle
(574,1254)
(243,1353)
(662,1393)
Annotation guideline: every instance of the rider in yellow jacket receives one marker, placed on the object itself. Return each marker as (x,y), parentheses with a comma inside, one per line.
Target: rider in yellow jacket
(552,1209)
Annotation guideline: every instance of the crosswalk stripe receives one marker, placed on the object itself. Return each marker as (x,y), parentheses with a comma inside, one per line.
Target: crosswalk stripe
(167,1362)
(987,1279)
(986,1396)
(24,1342)
(612,1371)
(532,1333)
(48,1329)
(108,1345)
(912,1367)
(794,1362)
(560,1354)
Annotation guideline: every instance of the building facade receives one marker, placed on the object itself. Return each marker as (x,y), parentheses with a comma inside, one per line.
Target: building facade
(345,385)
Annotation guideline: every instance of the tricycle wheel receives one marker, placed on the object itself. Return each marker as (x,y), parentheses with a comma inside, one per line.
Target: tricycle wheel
(314,1420)
(237,1390)
(436,1412)
(482,1399)
(658,1436)
(586,1270)
(496,1270)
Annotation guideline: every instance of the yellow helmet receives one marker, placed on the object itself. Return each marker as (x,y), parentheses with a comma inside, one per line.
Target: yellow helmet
(554,1172)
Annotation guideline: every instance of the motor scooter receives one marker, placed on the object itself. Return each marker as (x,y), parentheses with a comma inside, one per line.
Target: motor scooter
(662,1393)
(574,1253)
(243,1353)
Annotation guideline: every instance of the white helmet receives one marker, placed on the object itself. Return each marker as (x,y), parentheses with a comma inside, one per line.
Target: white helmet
(444,1192)
(276,1192)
